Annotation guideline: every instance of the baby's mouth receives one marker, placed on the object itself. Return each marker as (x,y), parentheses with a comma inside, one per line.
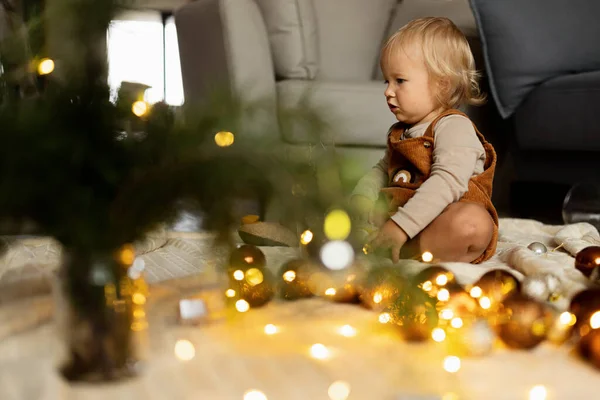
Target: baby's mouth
(392,107)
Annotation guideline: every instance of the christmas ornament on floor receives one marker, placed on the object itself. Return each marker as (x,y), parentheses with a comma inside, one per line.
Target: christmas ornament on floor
(587,260)
(538,248)
(583,306)
(294,279)
(523,323)
(249,279)
(493,287)
(434,279)
(415,314)
(541,287)
(381,287)
(589,347)
(456,307)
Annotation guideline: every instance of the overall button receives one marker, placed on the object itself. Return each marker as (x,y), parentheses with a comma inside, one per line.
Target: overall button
(427,145)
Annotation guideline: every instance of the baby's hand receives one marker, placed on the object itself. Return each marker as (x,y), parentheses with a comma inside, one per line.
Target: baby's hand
(391,236)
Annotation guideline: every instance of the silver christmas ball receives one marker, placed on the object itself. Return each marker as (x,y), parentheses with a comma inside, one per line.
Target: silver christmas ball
(538,248)
(541,287)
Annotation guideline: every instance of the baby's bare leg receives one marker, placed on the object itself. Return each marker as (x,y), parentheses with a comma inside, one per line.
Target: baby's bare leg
(461,233)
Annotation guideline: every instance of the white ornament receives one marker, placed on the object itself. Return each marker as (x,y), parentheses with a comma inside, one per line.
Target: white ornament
(541,287)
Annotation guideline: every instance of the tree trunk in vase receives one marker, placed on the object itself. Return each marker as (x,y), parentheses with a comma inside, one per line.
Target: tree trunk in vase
(100,310)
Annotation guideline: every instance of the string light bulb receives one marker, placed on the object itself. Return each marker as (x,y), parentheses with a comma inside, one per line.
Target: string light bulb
(447,314)
(46,66)
(339,390)
(452,364)
(476,292)
(538,392)
(485,302)
(140,108)
(384,318)
(230,293)
(224,139)
(242,305)
(347,331)
(319,351)
(330,292)
(441,280)
(238,275)
(254,394)
(456,322)
(427,257)
(271,329)
(595,320)
(185,350)
(567,318)
(443,295)
(289,276)
(438,335)
(306,237)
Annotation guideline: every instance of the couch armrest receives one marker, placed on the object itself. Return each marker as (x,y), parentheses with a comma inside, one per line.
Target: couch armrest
(224,43)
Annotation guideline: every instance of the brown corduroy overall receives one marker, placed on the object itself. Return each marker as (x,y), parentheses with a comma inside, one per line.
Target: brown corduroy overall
(415,155)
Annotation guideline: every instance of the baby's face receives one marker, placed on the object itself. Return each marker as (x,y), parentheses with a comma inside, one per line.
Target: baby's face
(408,90)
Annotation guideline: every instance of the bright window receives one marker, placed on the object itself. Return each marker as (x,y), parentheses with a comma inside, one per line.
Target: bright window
(138,53)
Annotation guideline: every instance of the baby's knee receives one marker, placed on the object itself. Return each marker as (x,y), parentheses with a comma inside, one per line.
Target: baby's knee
(473,224)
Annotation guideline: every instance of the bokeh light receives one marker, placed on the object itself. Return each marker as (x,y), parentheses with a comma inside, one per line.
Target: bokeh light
(337,225)
(224,139)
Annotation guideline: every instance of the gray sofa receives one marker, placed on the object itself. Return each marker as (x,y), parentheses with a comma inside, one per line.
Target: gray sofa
(280,49)
(543,62)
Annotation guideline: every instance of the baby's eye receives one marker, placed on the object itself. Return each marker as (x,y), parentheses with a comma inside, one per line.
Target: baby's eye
(399,80)
(385,82)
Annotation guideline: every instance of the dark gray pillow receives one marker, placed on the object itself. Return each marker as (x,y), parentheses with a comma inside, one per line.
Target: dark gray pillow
(527,42)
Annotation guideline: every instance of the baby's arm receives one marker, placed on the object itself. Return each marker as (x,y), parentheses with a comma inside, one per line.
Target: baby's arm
(455,153)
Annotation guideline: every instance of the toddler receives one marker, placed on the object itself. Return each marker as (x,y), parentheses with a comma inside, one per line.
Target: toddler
(435,179)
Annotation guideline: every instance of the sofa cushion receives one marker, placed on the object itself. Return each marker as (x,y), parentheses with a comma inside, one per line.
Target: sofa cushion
(528,42)
(357,112)
(561,114)
(456,10)
(292,29)
(350,33)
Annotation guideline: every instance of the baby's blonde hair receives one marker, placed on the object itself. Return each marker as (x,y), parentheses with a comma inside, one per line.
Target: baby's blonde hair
(446,54)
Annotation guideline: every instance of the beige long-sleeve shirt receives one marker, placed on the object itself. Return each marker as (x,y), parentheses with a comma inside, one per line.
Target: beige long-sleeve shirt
(457,156)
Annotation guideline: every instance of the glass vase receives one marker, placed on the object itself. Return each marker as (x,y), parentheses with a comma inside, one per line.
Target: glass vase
(99,310)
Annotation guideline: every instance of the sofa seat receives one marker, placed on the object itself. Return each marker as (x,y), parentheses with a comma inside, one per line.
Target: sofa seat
(558,114)
(357,110)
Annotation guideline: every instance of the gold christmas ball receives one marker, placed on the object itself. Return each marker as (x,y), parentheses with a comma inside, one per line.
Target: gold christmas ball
(245,257)
(583,306)
(381,287)
(294,279)
(588,259)
(524,322)
(341,286)
(256,288)
(497,285)
(432,279)
(589,347)
(459,302)
(415,314)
